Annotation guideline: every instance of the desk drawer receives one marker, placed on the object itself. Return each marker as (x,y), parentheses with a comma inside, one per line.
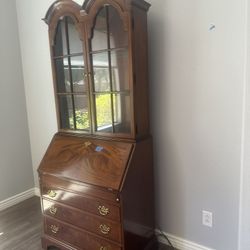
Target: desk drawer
(72,236)
(50,243)
(90,205)
(92,223)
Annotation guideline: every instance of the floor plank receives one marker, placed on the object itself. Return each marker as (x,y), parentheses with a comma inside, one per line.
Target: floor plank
(20,226)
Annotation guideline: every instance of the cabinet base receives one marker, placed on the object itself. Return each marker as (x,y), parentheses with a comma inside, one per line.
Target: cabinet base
(136,242)
(133,242)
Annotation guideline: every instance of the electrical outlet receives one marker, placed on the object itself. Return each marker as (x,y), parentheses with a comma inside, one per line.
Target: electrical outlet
(207,218)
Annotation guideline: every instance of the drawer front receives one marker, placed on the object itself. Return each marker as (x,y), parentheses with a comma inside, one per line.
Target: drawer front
(49,243)
(82,189)
(89,205)
(67,234)
(94,224)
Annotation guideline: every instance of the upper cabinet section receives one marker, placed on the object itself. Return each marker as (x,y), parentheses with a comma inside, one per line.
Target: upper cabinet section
(100,85)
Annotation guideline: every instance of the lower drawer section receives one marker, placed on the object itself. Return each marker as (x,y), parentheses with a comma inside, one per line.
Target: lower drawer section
(95,224)
(79,239)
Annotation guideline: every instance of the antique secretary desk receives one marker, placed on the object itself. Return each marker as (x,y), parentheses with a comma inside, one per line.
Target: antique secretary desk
(96,177)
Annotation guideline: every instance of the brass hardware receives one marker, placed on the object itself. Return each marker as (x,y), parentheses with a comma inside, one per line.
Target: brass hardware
(87,143)
(103,248)
(51,193)
(104,229)
(103,210)
(54,229)
(53,210)
(86,74)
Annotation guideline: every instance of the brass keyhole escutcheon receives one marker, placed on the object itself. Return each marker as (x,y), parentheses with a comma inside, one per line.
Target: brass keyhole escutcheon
(87,143)
(103,248)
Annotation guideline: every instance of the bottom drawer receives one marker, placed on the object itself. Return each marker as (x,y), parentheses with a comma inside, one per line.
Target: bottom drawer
(75,237)
(49,243)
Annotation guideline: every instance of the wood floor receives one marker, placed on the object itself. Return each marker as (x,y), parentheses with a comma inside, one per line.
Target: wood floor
(21,227)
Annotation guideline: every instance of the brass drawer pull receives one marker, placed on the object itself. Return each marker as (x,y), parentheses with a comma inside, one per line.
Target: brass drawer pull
(104,229)
(53,210)
(51,193)
(103,210)
(103,248)
(54,229)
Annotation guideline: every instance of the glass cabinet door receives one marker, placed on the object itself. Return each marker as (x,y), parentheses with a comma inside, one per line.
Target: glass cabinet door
(70,73)
(110,76)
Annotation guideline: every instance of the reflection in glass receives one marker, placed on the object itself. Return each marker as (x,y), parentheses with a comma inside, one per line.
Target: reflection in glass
(60,47)
(67,28)
(75,44)
(101,72)
(103,113)
(121,109)
(81,112)
(119,69)
(66,112)
(117,35)
(77,71)
(99,40)
(62,75)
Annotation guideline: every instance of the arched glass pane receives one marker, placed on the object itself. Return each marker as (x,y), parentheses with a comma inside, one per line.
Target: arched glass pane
(99,40)
(67,39)
(60,45)
(117,35)
(75,43)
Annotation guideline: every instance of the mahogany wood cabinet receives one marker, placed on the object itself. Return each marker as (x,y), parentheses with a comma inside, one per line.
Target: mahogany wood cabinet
(96,177)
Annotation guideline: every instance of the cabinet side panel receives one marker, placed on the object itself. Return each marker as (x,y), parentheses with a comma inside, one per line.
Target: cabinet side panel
(140,64)
(137,194)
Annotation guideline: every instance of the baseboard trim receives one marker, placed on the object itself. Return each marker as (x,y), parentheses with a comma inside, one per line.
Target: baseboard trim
(37,191)
(17,198)
(179,243)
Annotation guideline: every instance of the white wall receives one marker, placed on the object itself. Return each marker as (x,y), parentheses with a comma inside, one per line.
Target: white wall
(197,100)
(197,84)
(244,225)
(16,174)
(33,33)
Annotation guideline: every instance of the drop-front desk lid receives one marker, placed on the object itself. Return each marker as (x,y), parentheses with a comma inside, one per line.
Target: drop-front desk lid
(92,161)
